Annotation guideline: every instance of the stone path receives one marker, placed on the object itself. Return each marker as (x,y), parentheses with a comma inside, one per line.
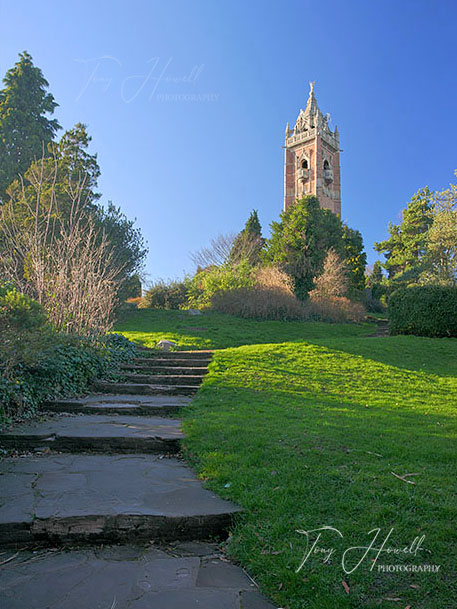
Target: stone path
(382,328)
(100,512)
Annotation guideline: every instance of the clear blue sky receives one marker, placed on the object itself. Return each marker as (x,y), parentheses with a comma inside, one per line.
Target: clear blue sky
(190,168)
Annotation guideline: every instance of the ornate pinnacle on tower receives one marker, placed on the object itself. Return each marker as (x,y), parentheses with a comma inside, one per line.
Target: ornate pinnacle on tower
(312,162)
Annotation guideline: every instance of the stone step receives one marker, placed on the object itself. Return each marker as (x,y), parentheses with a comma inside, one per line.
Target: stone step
(143,388)
(58,499)
(114,434)
(175,361)
(152,353)
(185,576)
(178,370)
(163,379)
(135,404)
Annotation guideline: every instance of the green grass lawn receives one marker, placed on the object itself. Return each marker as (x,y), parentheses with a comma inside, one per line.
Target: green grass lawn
(303,425)
(219,331)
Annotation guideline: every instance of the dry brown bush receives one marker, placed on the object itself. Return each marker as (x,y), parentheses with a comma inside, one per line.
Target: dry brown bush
(337,309)
(136,300)
(333,281)
(66,265)
(259,303)
(273,298)
(272,278)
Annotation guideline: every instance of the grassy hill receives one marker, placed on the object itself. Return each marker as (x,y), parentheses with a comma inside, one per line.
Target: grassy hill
(308,425)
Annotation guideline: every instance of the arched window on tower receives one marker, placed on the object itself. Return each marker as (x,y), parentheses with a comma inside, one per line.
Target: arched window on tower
(304,164)
(328,173)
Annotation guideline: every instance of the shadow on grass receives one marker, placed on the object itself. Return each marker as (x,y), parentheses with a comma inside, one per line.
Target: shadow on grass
(295,461)
(431,355)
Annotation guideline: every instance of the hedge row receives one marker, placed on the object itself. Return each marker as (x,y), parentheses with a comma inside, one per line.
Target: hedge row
(424,311)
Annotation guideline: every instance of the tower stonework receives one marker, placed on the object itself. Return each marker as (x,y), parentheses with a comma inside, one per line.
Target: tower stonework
(312,159)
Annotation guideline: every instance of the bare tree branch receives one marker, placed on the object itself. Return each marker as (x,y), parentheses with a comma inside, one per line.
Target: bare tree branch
(65,263)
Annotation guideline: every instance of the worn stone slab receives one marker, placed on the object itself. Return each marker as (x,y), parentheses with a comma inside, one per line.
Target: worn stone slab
(200,353)
(124,577)
(163,379)
(143,388)
(126,404)
(174,370)
(97,433)
(175,361)
(59,498)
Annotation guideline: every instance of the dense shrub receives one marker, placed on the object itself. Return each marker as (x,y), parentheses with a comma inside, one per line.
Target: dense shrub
(18,311)
(165,295)
(206,283)
(372,304)
(65,366)
(424,311)
(117,350)
(24,328)
(39,363)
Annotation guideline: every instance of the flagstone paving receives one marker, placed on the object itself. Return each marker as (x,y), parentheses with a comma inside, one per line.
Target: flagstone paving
(101,403)
(183,576)
(112,474)
(98,433)
(88,497)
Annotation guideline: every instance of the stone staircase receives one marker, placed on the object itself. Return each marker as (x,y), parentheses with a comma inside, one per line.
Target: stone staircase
(98,511)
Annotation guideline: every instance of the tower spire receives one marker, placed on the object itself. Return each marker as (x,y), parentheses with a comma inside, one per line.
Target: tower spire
(312,160)
(311,105)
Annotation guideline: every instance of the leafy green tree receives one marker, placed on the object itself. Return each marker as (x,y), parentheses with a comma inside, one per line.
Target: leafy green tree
(301,239)
(210,280)
(68,168)
(76,164)
(252,226)
(375,281)
(249,242)
(129,249)
(376,276)
(441,256)
(25,126)
(356,258)
(441,242)
(406,246)
(65,183)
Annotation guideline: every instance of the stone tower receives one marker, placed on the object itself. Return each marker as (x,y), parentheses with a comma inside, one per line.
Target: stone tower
(312,159)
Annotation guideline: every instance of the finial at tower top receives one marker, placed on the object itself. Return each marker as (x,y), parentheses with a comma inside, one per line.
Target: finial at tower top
(311,86)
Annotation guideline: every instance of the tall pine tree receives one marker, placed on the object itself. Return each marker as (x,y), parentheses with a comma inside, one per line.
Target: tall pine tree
(406,246)
(249,242)
(25,126)
(356,258)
